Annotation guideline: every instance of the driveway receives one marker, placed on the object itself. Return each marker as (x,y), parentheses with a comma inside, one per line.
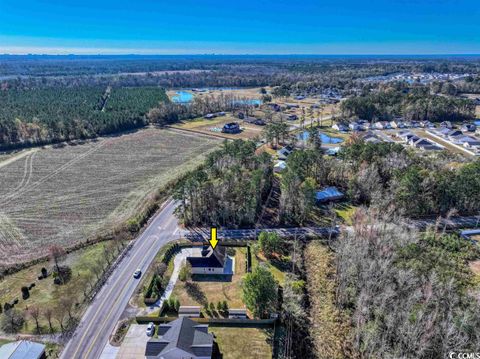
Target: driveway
(134,343)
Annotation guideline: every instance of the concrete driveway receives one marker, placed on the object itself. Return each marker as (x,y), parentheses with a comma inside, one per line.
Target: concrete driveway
(134,344)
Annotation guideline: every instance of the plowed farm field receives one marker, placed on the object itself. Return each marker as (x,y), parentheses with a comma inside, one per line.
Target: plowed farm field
(68,195)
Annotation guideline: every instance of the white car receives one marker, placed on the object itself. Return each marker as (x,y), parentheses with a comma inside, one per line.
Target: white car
(137,273)
(150,329)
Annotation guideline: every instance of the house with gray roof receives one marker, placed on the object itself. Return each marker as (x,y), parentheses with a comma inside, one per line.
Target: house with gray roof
(181,338)
(22,349)
(211,261)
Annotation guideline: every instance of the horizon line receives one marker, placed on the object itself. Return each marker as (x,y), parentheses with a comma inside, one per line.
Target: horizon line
(237,54)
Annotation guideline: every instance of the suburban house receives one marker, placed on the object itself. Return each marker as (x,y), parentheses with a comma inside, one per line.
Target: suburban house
(412,140)
(426,145)
(340,127)
(190,311)
(280,166)
(468,141)
(23,349)
(241,115)
(211,261)
(382,125)
(446,124)
(468,127)
(397,124)
(328,194)
(426,124)
(284,153)
(370,137)
(232,127)
(181,338)
(355,126)
(453,135)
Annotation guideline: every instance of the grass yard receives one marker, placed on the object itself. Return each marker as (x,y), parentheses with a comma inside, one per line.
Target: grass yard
(243,342)
(67,195)
(201,292)
(277,273)
(214,127)
(345,212)
(46,294)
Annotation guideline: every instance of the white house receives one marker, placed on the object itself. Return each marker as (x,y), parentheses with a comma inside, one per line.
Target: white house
(211,261)
(340,127)
(397,124)
(355,126)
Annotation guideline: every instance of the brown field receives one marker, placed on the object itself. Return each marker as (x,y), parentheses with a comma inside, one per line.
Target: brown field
(243,342)
(67,195)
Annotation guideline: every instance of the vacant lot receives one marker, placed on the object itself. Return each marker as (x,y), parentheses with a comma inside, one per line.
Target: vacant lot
(67,195)
(46,294)
(243,342)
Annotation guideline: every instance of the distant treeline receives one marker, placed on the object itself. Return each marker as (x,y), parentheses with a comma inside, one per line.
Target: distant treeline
(297,75)
(416,103)
(46,115)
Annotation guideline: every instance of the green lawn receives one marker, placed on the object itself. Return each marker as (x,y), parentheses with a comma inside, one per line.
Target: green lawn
(243,343)
(46,294)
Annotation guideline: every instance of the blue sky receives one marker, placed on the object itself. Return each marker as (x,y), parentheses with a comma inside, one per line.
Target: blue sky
(240,27)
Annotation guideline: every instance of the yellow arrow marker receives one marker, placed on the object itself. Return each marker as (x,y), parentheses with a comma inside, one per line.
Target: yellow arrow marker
(213,237)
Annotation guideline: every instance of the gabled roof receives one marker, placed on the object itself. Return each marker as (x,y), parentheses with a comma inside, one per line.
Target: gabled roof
(181,334)
(22,349)
(214,258)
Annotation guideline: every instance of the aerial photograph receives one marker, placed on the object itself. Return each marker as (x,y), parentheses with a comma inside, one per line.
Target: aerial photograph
(240,179)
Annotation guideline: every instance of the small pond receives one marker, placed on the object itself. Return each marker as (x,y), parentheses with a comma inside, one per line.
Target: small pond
(324,137)
(182,97)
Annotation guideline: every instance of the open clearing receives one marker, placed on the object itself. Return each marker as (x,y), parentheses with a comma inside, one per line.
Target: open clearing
(243,342)
(68,195)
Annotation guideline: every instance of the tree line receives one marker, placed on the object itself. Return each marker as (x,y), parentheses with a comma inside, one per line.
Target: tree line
(415,103)
(45,115)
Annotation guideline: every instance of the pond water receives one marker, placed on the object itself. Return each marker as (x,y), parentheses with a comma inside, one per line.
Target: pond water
(182,97)
(324,137)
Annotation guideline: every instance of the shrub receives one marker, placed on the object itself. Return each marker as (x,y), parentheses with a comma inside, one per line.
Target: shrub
(225,305)
(185,273)
(25,292)
(212,307)
(177,304)
(219,306)
(44,272)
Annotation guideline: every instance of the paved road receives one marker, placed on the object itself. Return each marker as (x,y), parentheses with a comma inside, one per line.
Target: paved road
(243,234)
(99,320)
(452,223)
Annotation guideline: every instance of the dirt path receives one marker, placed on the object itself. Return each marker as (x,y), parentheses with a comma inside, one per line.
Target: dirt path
(17,157)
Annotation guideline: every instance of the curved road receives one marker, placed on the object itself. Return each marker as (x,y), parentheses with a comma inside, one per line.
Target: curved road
(103,313)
